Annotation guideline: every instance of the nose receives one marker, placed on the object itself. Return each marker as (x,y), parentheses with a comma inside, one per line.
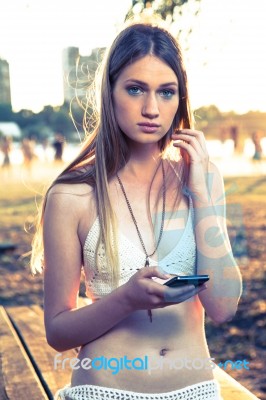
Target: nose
(150,107)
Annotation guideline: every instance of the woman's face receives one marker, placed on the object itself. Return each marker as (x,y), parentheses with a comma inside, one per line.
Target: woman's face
(146,99)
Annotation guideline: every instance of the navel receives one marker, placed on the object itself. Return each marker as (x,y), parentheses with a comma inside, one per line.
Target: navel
(163,351)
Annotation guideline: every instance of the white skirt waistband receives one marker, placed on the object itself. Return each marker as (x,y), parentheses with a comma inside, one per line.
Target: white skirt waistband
(207,390)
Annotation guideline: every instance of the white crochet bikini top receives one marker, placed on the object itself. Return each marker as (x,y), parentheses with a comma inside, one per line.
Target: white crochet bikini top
(181,260)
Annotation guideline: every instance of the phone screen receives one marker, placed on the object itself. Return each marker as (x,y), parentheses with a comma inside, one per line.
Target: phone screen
(179,280)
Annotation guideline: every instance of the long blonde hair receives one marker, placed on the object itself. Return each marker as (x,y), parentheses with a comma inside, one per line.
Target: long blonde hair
(106,149)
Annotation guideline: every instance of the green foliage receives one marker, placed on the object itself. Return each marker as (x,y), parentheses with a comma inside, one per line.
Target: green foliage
(6,113)
(165,8)
(168,10)
(208,113)
(176,14)
(41,125)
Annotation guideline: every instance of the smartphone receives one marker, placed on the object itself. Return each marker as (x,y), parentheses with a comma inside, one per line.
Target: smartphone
(180,280)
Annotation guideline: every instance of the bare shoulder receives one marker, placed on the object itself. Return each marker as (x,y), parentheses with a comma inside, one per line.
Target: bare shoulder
(78,189)
(75,198)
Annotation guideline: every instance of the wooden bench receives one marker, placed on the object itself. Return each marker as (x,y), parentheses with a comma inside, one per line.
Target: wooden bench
(27,370)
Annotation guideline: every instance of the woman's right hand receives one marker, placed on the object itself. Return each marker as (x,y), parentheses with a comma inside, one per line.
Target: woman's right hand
(141,292)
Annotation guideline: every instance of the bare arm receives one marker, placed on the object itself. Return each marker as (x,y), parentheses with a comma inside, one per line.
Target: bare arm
(214,253)
(66,325)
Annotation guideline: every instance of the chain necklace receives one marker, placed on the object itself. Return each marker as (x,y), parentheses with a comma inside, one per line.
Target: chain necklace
(147,262)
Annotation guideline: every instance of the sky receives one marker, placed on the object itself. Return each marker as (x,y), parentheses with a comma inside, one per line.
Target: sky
(225,60)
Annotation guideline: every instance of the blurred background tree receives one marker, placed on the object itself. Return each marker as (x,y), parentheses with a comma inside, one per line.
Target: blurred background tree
(167,9)
(170,11)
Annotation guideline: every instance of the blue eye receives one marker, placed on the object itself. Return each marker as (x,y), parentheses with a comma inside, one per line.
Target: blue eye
(166,93)
(134,90)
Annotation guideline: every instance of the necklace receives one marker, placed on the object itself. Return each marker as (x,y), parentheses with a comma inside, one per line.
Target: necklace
(147,262)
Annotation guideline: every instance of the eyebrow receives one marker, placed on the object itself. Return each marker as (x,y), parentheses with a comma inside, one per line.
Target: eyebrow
(146,86)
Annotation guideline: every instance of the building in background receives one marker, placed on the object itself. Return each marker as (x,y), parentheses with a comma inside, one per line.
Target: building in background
(5,96)
(70,59)
(79,71)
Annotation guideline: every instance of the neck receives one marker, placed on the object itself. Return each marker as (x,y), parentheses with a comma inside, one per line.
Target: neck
(143,163)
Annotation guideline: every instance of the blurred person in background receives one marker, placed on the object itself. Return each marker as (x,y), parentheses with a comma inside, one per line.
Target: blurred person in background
(256,139)
(28,151)
(6,148)
(58,145)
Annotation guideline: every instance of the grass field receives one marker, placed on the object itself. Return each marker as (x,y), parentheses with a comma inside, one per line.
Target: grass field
(242,338)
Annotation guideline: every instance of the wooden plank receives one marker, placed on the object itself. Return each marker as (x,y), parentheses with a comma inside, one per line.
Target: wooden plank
(28,321)
(230,388)
(18,379)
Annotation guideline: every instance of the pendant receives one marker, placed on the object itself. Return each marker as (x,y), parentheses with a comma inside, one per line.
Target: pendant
(147,264)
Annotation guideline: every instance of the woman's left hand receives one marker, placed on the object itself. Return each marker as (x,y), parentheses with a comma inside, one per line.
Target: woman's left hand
(194,144)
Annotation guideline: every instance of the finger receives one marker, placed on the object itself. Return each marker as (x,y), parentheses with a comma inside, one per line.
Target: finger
(153,272)
(176,292)
(179,295)
(160,281)
(188,148)
(188,133)
(161,289)
(200,289)
(192,141)
(177,298)
(203,286)
(195,152)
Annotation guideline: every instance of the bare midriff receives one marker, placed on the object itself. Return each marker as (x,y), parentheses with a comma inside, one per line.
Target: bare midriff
(174,345)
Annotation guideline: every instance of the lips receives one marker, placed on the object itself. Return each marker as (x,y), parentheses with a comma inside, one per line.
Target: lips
(148,124)
(148,127)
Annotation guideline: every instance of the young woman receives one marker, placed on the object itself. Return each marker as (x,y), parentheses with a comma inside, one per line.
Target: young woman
(133,212)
